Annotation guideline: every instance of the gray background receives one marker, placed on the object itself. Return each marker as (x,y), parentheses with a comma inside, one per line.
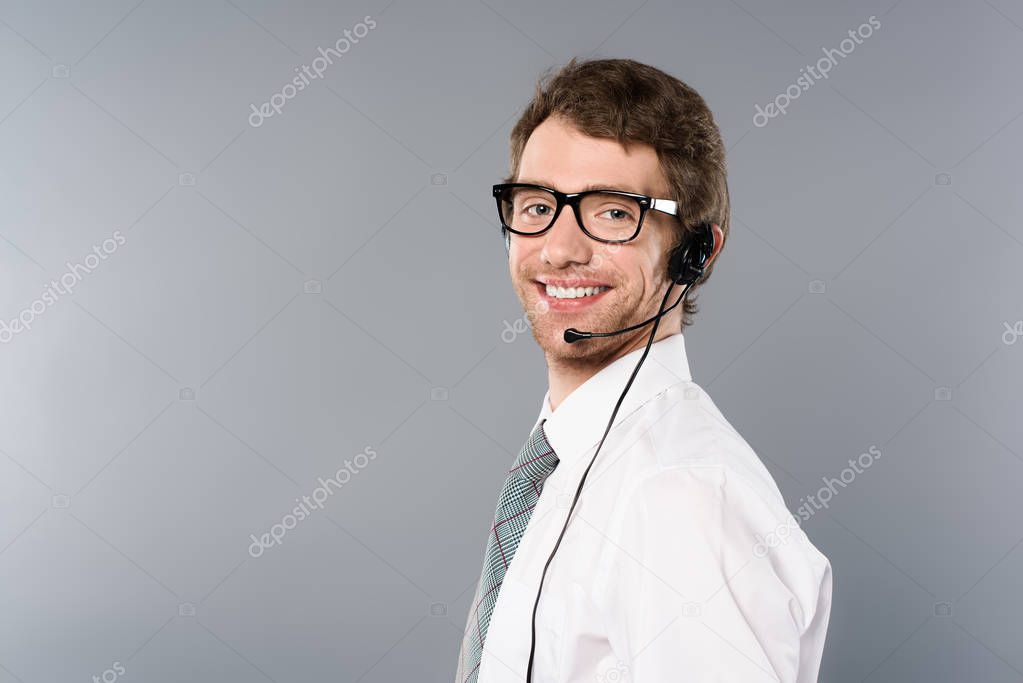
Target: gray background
(196,382)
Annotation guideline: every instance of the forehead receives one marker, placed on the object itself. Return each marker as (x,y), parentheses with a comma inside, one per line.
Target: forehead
(561,156)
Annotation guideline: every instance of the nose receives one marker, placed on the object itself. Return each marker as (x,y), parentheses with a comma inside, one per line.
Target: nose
(565,243)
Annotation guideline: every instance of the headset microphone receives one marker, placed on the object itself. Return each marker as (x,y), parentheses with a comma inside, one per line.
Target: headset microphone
(685,266)
(573,335)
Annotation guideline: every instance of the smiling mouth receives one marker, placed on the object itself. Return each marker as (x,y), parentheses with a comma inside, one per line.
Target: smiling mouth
(560,298)
(573,292)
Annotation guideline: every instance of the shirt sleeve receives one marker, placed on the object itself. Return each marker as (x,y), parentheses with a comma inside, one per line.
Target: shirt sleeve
(707,581)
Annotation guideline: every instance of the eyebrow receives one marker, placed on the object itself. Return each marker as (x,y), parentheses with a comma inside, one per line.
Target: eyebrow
(588,188)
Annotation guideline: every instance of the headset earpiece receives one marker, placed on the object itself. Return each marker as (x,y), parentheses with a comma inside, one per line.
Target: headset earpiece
(686,261)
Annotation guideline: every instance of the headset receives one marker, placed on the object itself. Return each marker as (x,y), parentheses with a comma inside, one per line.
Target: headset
(686,264)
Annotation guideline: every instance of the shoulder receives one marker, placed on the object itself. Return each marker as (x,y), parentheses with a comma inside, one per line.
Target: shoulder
(683,441)
(699,497)
(715,512)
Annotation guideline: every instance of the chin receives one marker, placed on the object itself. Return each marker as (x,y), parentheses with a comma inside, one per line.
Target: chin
(551,340)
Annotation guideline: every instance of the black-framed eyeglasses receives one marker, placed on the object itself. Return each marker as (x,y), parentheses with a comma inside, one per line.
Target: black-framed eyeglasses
(606,215)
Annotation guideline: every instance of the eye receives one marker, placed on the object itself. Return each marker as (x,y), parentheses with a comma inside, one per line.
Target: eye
(618,214)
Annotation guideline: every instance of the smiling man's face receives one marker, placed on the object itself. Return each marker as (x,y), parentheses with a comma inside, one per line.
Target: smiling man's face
(560,156)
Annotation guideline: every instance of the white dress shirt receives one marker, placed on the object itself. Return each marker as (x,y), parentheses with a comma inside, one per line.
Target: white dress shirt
(665,572)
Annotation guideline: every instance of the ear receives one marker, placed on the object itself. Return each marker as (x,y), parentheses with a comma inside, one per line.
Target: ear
(719,240)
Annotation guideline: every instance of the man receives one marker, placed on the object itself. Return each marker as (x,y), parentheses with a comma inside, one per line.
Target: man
(679,560)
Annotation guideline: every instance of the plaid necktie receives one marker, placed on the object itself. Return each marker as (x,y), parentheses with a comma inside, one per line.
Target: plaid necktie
(533,465)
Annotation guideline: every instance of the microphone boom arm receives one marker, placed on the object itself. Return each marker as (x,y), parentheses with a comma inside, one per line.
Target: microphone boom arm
(573,335)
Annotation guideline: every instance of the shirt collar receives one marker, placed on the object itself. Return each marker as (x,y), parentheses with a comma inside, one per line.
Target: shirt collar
(580,420)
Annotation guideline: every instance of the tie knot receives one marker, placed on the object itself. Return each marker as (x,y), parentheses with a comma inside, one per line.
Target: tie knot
(537,459)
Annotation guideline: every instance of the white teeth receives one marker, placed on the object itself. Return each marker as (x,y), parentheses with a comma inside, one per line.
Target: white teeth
(573,292)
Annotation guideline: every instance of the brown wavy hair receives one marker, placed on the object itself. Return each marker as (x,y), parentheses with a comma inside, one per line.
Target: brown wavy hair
(627,101)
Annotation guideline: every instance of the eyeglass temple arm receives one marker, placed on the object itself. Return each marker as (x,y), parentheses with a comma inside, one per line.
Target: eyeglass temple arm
(668,206)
